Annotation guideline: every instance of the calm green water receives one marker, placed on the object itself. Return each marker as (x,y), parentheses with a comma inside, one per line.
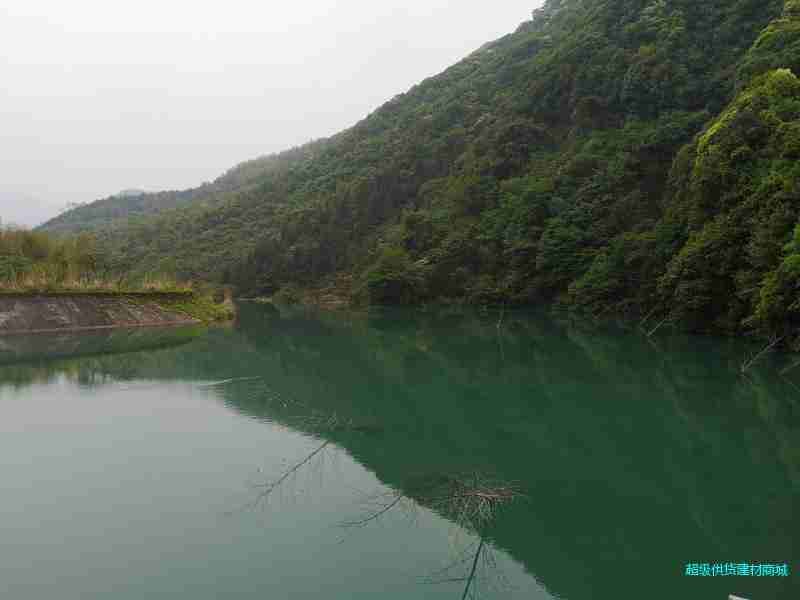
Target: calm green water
(136,468)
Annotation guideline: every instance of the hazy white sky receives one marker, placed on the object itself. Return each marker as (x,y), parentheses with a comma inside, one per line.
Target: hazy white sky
(102,95)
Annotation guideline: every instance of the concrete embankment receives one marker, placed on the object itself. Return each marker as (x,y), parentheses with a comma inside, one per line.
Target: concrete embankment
(52,313)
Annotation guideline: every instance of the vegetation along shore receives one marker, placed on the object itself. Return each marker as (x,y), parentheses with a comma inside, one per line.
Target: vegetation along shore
(634,158)
(50,284)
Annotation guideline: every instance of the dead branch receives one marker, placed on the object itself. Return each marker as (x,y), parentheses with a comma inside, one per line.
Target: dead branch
(269,487)
(791,367)
(657,327)
(647,317)
(748,363)
(227,381)
(473,501)
(478,561)
(396,498)
(472,572)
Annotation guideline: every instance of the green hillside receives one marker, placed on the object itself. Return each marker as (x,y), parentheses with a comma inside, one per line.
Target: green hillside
(610,156)
(131,207)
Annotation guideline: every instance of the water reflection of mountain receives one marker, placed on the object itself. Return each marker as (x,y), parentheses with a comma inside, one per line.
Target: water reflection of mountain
(636,459)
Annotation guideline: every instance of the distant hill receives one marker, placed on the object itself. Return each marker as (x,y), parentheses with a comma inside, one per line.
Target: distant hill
(610,156)
(129,207)
(129,193)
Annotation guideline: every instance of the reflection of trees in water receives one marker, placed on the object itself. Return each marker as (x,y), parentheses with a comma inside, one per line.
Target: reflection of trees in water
(476,568)
(396,356)
(266,489)
(87,358)
(471,502)
(636,426)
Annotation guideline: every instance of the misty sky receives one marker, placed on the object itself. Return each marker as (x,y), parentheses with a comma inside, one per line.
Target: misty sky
(101,95)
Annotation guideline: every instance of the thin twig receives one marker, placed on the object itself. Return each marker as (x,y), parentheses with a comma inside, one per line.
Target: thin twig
(647,317)
(377,514)
(271,486)
(791,367)
(657,327)
(471,577)
(227,381)
(753,360)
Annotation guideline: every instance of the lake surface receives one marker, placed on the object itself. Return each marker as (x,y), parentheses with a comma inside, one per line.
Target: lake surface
(287,456)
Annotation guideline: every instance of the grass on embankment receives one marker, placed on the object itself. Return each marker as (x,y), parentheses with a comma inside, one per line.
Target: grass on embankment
(37,283)
(202,307)
(37,264)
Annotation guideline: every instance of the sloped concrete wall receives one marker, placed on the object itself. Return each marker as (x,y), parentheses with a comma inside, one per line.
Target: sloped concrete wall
(55,313)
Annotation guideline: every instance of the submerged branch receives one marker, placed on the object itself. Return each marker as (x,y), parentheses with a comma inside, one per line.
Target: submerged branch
(472,572)
(647,317)
(473,501)
(269,487)
(790,368)
(397,498)
(748,363)
(228,381)
(657,327)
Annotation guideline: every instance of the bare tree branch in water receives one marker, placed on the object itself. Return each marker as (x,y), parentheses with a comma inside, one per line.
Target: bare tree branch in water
(471,501)
(318,424)
(327,423)
(500,334)
(646,318)
(228,381)
(474,501)
(462,560)
(471,577)
(786,370)
(502,315)
(266,489)
(480,572)
(753,359)
(661,323)
(384,503)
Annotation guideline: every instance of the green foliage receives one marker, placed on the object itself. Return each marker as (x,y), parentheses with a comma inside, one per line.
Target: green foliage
(394,279)
(739,201)
(621,277)
(31,259)
(36,261)
(699,282)
(778,306)
(636,155)
(778,46)
(196,306)
(289,294)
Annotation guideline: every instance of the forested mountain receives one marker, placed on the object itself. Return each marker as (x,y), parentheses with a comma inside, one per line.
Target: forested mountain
(635,156)
(128,208)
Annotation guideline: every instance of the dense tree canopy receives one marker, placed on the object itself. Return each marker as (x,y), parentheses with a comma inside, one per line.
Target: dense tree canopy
(610,155)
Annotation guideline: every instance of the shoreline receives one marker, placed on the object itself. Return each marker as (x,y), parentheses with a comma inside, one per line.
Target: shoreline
(67,312)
